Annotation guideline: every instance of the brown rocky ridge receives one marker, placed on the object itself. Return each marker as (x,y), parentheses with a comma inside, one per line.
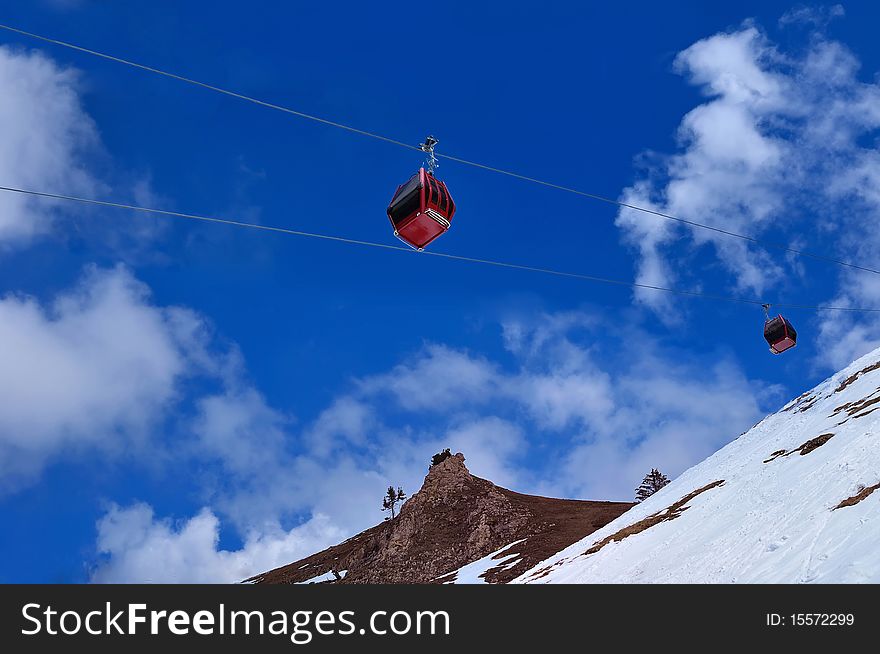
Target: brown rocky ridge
(454,519)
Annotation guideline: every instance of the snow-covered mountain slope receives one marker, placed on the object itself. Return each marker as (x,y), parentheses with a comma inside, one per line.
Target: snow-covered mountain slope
(792,500)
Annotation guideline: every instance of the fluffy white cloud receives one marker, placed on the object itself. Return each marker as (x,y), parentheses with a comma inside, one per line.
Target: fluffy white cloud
(845,337)
(665,416)
(45,139)
(609,415)
(780,142)
(816,16)
(728,174)
(614,415)
(239,429)
(494,448)
(555,400)
(94,369)
(347,420)
(438,378)
(137,547)
(48,142)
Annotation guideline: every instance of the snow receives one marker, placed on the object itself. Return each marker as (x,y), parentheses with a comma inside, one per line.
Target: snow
(768,522)
(472,573)
(327,576)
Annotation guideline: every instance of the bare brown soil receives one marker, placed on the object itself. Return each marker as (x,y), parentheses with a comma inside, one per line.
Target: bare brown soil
(455,519)
(813,444)
(862,415)
(670,513)
(855,407)
(849,380)
(808,405)
(794,403)
(805,448)
(774,455)
(858,497)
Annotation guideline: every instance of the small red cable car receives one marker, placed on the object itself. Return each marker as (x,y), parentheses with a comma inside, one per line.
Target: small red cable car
(779,334)
(421,210)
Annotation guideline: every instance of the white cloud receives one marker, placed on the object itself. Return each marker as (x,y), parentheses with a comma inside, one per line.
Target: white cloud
(494,448)
(732,68)
(45,139)
(780,143)
(846,337)
(438,378)
(816,16)
(648,234)
(555,400)
(617,414)
(347,420)
(95,369)
(138,548)
(49,143)
(607,414)
(666,416)
(728,174)
(240,429)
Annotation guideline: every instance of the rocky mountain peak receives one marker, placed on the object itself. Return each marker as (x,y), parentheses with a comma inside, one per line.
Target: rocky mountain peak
(449,479)
(453,520)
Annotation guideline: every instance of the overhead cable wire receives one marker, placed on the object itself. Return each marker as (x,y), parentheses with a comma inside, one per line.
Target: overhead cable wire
(601,198)
(210,87)
(431,253)
(667,216)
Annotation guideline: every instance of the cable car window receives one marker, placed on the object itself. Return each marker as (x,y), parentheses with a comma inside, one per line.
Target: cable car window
(406,189)
(774,331)
(403,209)
(406,202)
(433,186)
(442,200)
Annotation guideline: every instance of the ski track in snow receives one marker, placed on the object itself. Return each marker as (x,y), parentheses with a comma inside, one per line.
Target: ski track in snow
(768,522)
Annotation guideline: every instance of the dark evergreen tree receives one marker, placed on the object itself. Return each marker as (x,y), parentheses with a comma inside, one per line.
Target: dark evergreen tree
(653,481)
(440,457)
(391,499)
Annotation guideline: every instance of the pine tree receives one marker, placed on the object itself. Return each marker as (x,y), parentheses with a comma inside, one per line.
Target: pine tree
(653,481)
(391,499)
(440,457)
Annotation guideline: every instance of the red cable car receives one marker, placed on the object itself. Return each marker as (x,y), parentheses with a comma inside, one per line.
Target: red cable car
(779,334)
(421,209)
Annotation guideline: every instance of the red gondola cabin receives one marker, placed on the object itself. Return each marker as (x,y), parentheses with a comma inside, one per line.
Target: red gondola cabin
(779,334)
(421,210)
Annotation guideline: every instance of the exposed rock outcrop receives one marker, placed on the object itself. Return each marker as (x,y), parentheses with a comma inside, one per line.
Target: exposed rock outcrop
(454,519)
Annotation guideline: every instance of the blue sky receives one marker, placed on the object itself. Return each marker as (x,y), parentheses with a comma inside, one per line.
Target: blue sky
(191,402)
